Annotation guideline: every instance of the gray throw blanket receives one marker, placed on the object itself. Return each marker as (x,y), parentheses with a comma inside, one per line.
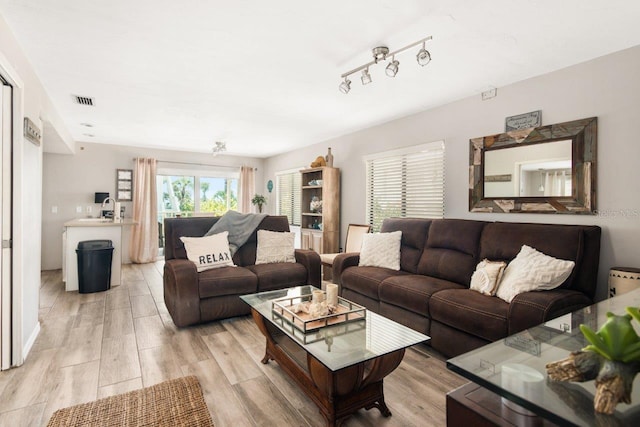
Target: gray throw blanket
(240,226)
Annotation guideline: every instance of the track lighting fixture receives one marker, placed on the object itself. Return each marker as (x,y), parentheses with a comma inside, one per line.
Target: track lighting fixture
(219,148)
(381,53)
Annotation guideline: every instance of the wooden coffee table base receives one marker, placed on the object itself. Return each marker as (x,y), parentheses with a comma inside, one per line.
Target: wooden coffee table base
(338,394)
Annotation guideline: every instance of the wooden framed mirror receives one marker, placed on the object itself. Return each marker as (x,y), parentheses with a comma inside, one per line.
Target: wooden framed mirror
(546,169)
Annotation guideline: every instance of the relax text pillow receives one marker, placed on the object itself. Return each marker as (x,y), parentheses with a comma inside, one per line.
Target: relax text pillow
(208,252)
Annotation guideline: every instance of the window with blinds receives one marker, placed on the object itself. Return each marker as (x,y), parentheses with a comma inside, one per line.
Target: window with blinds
(289,194)
(405,183)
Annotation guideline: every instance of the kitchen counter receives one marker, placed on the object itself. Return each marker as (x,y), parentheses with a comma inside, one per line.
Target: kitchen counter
(98,222)
(81,229)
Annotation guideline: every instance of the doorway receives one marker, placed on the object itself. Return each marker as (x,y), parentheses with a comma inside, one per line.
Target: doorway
(6,208)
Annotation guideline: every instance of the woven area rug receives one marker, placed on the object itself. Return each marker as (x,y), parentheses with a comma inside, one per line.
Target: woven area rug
(176,402)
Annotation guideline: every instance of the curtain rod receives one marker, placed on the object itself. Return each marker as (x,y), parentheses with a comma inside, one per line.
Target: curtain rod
(197,164)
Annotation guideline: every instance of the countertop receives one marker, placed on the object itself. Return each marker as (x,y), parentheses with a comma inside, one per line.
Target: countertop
(95,222)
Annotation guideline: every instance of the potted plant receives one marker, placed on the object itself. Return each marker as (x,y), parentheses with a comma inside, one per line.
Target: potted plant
(259,200)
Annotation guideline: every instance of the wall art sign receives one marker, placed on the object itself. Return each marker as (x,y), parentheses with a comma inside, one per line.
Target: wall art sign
(523,121)
(124,185)
(32,132)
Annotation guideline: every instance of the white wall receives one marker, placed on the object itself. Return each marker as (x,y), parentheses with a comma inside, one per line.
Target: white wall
(72,180)
(606,87)
(36,105)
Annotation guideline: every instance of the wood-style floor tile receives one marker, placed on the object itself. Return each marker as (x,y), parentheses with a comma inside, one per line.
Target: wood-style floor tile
(150,332)
(225,407)
(119,361)
(119,388)
(73,385)
(31,416)
(118,322)
(233,360)
(143,306)
(159,364)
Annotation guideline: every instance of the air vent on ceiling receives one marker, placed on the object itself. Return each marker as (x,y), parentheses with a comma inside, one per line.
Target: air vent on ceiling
(83,100)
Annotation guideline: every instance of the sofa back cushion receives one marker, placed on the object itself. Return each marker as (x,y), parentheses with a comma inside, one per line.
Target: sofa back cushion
(451,251)
(175,228)
(502,241)
(414,236)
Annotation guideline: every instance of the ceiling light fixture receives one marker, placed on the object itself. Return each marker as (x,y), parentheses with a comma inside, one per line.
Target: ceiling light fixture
(381,53)
(219,148)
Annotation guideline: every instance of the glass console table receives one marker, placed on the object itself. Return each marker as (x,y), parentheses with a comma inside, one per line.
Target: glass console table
(513,371)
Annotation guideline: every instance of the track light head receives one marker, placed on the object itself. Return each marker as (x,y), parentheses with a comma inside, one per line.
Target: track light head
(345,86)
(366,77)
(392,68)
(423,57)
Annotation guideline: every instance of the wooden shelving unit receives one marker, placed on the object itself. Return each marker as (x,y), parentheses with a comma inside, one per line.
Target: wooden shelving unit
(323,183)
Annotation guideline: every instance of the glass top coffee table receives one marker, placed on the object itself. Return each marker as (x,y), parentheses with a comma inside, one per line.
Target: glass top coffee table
(514,369)
(340,367)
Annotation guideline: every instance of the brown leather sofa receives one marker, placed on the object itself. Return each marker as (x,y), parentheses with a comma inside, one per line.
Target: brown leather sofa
(431,291)
(193,297)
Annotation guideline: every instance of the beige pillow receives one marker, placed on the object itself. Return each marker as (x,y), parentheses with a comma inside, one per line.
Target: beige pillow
(381,250)
(209,252)
(275,246)
(532,270)
(487,276)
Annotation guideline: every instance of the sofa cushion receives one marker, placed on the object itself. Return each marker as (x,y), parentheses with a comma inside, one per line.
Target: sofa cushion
(414,236)
(503,241)
(209,251)
(275,247)
(531,270)
(366,280)
(451,252)
(487,276)
(471,312)
(412,292)
(226,281)
(278,276)
(381,250)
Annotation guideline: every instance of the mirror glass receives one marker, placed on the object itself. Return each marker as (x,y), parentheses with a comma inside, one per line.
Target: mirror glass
(530,171)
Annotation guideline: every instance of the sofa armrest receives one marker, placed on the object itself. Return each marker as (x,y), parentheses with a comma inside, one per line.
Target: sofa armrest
(342,262)
(181,293)
(529,309)
(311,261)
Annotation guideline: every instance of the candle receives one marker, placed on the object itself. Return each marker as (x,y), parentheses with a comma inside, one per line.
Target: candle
(332,294)
(317,297)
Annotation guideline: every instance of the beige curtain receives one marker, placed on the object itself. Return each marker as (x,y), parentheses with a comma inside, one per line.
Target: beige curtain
(144,234)
(247,186)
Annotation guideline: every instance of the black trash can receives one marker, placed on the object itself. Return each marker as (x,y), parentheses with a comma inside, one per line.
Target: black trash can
(94,265)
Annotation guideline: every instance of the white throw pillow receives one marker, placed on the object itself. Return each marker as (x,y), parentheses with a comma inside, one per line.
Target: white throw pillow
(275,246)
(381,250)
(209,252)
(532,270)
(487,276)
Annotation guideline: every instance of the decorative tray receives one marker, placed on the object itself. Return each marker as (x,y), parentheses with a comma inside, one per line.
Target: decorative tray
(345,311)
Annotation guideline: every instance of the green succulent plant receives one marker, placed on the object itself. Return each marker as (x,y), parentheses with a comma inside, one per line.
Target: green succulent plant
(616,339)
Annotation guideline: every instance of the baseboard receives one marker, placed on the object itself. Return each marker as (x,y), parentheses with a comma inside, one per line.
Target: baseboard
(32,339)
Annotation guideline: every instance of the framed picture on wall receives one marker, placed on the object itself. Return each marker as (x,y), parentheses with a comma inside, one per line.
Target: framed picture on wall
(124,185)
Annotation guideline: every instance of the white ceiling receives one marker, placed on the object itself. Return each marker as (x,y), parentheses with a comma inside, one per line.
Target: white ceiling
(263,76)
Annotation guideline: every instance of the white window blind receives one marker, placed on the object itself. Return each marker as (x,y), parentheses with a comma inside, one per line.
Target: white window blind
(289,194)
(405,183)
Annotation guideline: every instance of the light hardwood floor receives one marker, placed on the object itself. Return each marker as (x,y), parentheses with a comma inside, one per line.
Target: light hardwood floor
(96,345)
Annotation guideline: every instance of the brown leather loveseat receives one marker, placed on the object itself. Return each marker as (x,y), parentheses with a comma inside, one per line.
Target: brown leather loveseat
(431,291)
(193,297)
